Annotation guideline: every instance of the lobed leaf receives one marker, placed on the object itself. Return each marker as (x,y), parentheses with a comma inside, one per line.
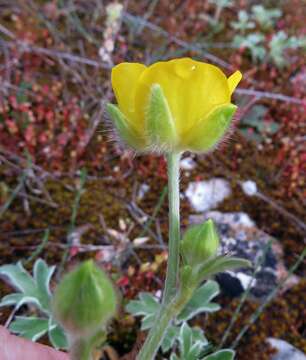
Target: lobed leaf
(201,301)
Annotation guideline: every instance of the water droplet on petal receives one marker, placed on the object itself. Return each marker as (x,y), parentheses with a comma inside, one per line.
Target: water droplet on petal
(184,71)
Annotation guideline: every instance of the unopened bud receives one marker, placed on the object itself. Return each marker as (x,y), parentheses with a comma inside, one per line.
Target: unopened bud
(84,300)
(199,243)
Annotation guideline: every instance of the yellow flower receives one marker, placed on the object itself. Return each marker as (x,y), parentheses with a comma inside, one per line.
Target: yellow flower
(173,105)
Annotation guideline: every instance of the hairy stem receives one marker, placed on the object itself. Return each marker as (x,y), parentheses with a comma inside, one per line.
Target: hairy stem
(168,312)
(81,350)
(173,299)
(173,161)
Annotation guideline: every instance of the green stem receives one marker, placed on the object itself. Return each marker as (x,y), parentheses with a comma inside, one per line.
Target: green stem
(81,350)
(173,161)
(168,312)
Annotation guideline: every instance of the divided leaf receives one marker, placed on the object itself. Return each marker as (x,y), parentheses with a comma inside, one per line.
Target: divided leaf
(226,354)
(191,343)
(147,306)
(57,336)
(201,301)
(19,278)
(32,328)
(32,289)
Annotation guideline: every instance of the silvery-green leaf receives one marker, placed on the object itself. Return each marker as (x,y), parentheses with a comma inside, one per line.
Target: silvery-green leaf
(220,264)
(198,335)
(194,351)
(170,337)
(11,299)
(147,306)
(31,328)
(201,301)
(42,275)
(226,354)
(57,337)
(19,278)
(185,339)
(148,321)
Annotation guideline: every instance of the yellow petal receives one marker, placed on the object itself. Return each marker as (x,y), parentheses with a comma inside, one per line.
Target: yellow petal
(234,80)
(192,88)
(124,80)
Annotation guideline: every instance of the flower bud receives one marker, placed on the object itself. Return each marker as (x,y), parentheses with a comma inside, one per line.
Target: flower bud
(84,300)
(199,243)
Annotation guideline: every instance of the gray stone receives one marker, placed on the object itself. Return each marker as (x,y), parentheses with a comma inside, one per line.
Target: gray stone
(240,236)
(285,351)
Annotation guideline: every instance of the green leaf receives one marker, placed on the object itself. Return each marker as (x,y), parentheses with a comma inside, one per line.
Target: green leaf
(57,336)
(33,290)
(148,321)
(11,299)
(31,328)
(226,354)
(147,306)
(170,337)
(42,276)
(19,278)
(265,17)
(191,342)
(160,125)
(173,334)
(221,264)
(254,43)
(125,129)
(185,339)
(201,301)
(198,335)
(243,22)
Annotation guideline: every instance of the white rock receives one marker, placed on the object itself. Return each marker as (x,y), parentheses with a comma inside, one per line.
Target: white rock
(285,351)
(141,240)
(187,163)
(206,195)
(245,280)
(143,189)
(249,187)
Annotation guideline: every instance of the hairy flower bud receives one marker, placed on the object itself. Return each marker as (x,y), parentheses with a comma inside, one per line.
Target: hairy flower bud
(199,243)
(84,300)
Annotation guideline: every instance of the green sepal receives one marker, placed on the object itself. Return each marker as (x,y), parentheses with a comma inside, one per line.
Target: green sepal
(211,129)
(160,126)
(125,130)
(199,243)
